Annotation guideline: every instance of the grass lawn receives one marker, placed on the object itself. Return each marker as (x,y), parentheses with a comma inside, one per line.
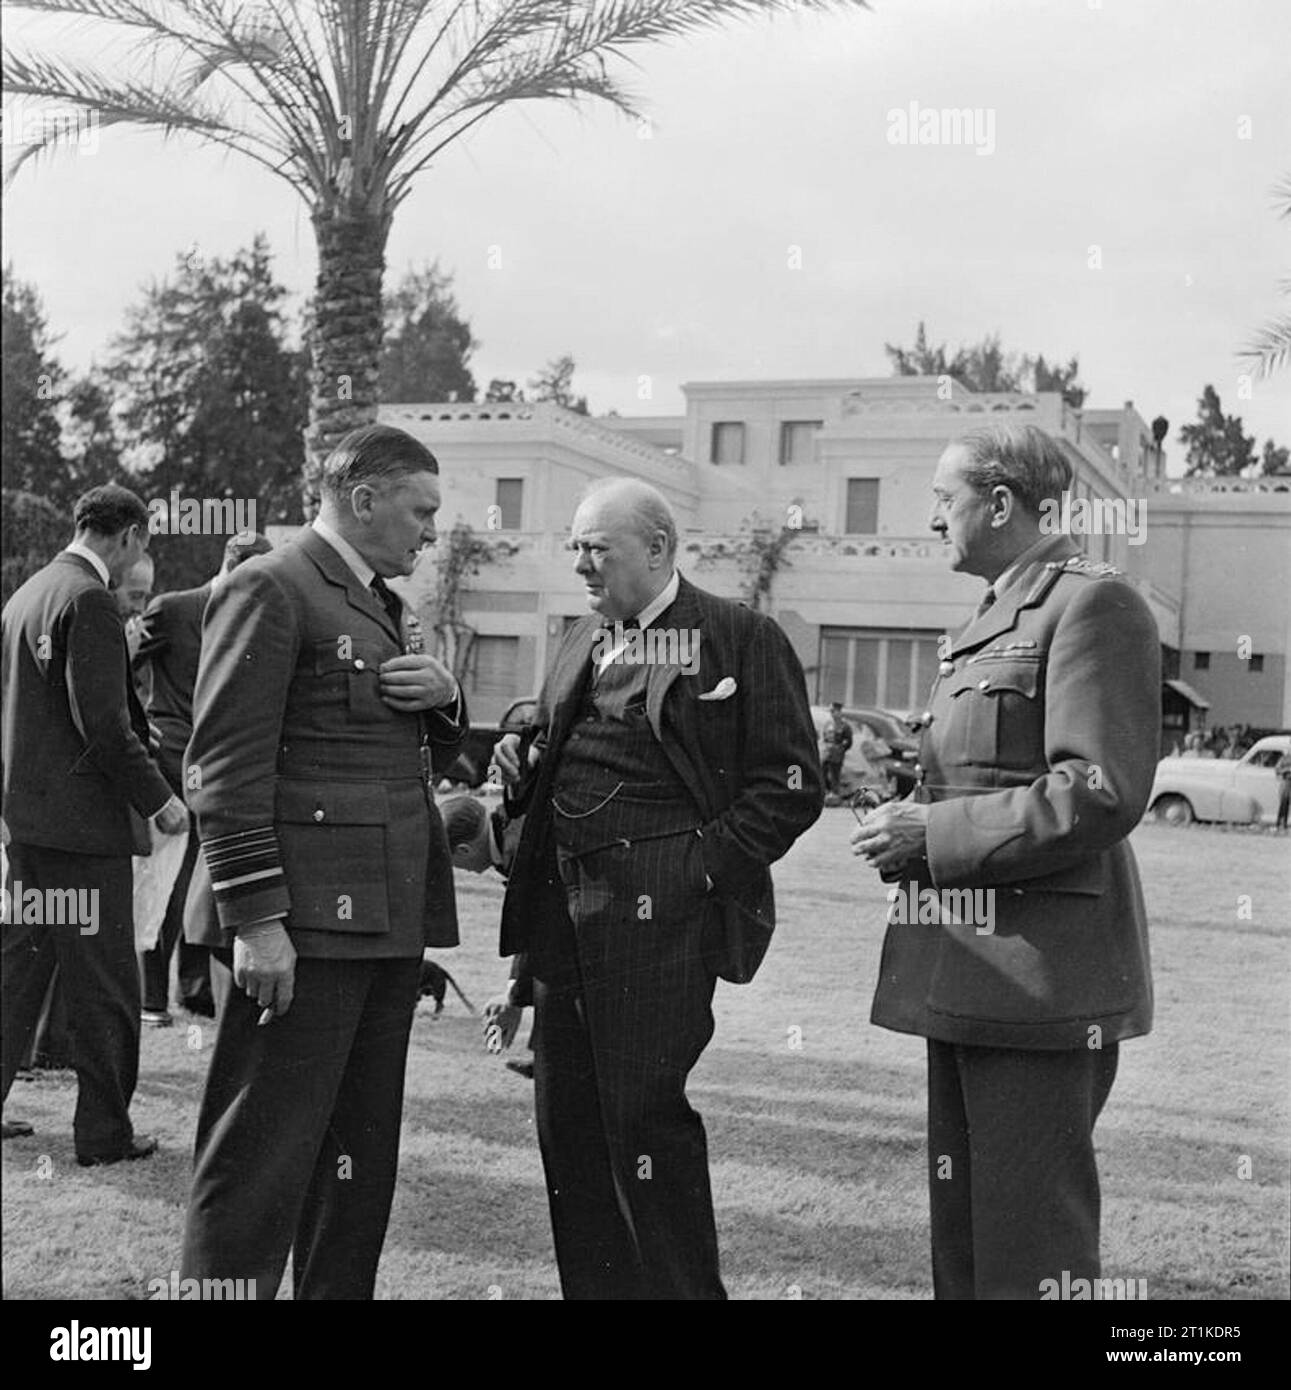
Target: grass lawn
(815,1118)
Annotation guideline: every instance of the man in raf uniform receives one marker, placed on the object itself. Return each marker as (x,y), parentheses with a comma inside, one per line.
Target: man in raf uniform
(1038,756)
(309,771)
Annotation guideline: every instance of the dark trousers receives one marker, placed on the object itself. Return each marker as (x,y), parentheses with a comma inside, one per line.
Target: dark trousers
(1011,1170)
(1284,803)
(622,1012)
(298,1135)
(99,981)
(833,770)
(194,961)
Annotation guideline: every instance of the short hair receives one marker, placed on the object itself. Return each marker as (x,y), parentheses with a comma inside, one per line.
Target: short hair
(1022,458)
(464,817)
(108,510)
(649,509)
(243,547)
(374,454)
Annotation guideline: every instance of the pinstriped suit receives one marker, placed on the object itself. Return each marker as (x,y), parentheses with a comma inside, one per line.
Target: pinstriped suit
(623,941)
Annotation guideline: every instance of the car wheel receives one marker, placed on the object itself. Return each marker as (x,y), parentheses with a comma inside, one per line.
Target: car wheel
(1173,810)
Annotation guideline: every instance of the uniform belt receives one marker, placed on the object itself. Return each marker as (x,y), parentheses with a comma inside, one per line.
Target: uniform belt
(319,762)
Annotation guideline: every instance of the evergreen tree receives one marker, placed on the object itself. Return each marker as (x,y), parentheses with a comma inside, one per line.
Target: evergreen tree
(32,386)
(1218,447)
(426,352)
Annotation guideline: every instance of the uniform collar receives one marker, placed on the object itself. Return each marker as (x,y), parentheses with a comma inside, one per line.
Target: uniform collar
(84,551)
(363,572)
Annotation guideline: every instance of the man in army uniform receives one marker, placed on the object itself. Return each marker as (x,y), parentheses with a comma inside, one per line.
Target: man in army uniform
(1038,756)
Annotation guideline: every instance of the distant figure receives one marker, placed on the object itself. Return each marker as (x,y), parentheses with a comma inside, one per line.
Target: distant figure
(835,741)
(166,659)
(1283,771)
(1195,746)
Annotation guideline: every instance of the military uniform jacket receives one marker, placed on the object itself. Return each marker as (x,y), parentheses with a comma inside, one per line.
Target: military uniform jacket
(307,786)
(739,734)
(77,774)
(1038,761)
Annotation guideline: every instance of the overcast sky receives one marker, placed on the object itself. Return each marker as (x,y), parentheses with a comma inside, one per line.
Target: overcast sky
(1117,131)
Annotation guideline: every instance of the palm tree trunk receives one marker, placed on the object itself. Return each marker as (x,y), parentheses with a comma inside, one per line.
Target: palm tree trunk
(347,330)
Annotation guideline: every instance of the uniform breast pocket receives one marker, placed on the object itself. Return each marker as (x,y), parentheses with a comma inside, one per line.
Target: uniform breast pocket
(997,713)
(333,845)
(348,668)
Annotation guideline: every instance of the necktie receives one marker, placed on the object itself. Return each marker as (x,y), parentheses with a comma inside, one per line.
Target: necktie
(607,625)
(988,598)
(388,599)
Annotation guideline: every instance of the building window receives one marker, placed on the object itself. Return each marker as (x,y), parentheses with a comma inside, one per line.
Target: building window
(796,438)
(510,501)
(494,664)
(1256,663)
(1201,661)
(862,507)
(728,442)
(868,667)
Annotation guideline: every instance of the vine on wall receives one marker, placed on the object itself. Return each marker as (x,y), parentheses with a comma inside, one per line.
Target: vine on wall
(458,560)
(760,550)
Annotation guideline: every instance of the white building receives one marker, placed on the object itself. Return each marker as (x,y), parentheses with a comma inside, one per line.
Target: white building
(865,590)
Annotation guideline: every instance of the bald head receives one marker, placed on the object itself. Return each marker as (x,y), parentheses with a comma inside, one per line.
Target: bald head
(625,540)
(135,589)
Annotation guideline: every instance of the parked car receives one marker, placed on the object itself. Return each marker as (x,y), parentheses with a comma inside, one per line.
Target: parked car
(1243,790)
(882,744)
(471,766)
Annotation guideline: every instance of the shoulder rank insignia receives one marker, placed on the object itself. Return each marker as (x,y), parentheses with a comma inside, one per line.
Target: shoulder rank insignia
(1081,564)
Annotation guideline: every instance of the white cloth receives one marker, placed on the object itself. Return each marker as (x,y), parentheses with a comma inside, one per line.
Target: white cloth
(154,880)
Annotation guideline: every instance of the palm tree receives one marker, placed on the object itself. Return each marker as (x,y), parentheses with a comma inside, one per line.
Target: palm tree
(1270,348)
(348,100)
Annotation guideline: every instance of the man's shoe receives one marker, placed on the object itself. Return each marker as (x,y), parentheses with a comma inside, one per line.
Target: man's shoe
(156,1018)
(200,1004)
(16,1129)
(524,1069)
(138,1148)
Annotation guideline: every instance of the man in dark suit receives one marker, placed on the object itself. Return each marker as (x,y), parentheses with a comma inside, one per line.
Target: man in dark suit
(79,786)
(309,770)
(1038,756)
(170,643)
(677,761)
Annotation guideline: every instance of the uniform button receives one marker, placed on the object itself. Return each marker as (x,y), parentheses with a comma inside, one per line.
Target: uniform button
(983,685)
(947,668)
(359,663)
(319,814)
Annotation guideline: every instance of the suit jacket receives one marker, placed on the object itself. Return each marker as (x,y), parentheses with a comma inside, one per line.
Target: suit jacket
(76,775)
(170,645)
(749,761)
(307,786)
(1038,762)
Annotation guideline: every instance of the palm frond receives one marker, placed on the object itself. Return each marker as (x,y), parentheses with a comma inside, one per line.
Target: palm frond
(1270,349)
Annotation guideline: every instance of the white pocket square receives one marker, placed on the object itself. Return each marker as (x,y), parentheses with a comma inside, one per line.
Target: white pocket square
(723,690)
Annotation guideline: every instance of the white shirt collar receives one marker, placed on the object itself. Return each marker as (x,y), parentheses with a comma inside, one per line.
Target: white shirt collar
(363,572)
(661,600)
(84,551)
